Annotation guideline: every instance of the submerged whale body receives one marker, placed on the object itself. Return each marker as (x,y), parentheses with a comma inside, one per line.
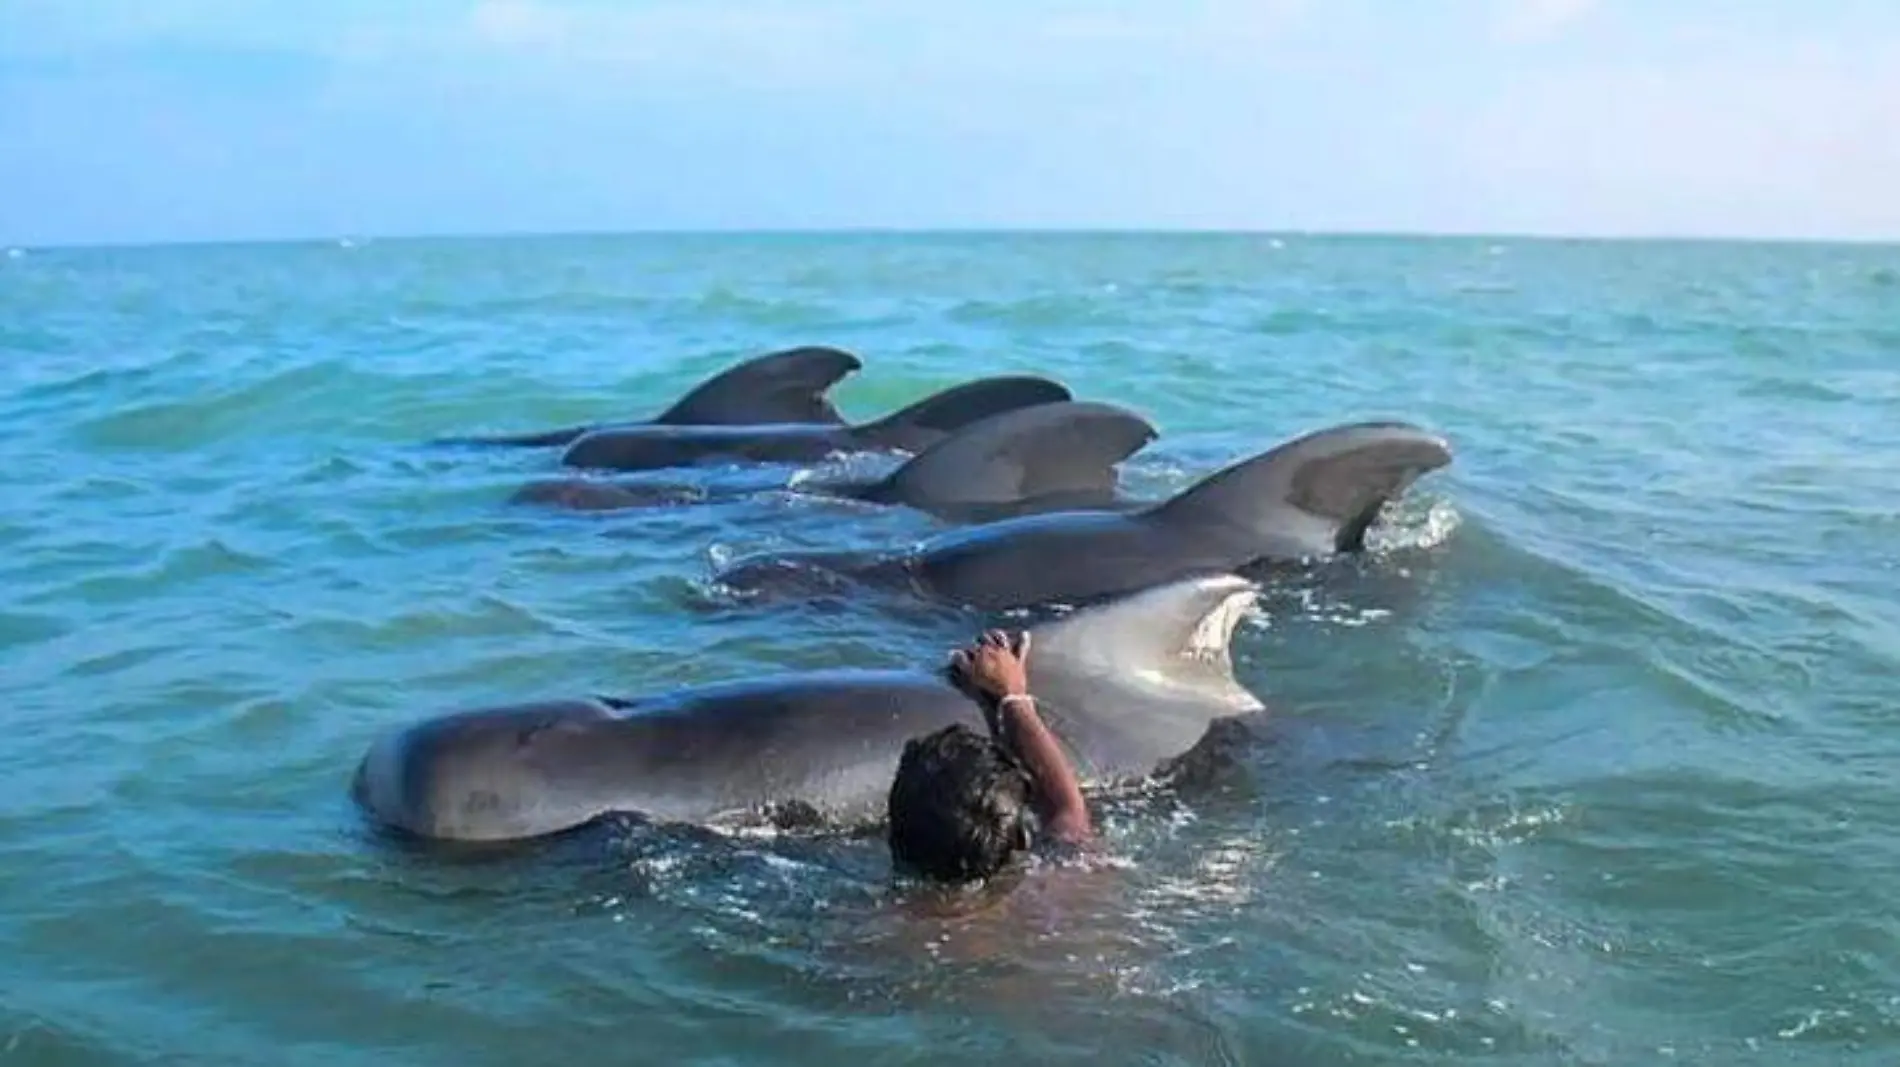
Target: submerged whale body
(787,386)
(913,429)
(1311,497)
(1044,457)
(1126,686)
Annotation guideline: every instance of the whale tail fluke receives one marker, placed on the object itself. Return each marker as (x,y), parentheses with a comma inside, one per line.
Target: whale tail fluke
(929,420)
(1312,496)
(1173,637)
(1060,448)
(790,385)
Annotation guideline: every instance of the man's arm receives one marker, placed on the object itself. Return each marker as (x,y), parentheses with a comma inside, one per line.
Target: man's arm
(1025,733)
(998,668)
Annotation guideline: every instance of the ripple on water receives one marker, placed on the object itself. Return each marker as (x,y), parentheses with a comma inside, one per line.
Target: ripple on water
(19,629)
(1587,761)
(305,399)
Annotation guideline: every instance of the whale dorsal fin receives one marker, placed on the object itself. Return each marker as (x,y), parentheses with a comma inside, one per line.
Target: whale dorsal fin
(1062,447)
(784,386)
(1312,496)
(940,414)
(1169,638)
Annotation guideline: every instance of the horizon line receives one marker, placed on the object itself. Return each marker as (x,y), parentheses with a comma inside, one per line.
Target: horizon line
(1373,233)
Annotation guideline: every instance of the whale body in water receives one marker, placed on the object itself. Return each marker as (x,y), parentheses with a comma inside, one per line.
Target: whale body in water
(1309,498)
(1126,686)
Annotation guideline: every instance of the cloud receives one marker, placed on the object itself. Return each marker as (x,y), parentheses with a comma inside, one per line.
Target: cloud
(526,114)
(1531,21)
(515,23)
(659,31)
(873,46)
(1774,142)
(77,28)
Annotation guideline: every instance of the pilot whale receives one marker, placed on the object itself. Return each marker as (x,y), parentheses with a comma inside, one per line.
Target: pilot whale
(1311,497)
(787,386)
(1040,458)
(1127,686)
(917,427)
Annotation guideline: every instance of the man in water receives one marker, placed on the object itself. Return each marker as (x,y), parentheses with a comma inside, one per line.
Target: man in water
(962,805)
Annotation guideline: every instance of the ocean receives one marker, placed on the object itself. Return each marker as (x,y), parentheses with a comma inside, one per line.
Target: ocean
(1591,761)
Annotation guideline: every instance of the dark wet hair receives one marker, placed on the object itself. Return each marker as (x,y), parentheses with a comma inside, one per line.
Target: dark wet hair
(959,806)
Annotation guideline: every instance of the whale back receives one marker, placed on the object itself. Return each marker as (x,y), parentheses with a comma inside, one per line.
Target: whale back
(651,447)
(1313,496)
(787,386)
(1308,498)
(1127,686)
(937,416)
(827,741)
(1065,449)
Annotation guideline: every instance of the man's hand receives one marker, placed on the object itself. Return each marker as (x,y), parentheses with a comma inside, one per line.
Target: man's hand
(997,668)
(995,665)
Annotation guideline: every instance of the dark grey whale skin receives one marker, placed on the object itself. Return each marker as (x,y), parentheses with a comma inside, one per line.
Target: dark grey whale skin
(1127,686)
(1045,457)
(913,429)
(1309,498)
(786,386)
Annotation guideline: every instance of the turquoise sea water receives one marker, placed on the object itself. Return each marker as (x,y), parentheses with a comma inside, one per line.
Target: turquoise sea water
(1592,762)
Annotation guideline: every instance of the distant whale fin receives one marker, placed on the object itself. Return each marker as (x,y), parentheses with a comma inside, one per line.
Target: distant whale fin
(784,386)
(929,420)
(1061,447)
(1166,637)
(1312,496)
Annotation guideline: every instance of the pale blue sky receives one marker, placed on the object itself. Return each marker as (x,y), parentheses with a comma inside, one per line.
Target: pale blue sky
(144,120)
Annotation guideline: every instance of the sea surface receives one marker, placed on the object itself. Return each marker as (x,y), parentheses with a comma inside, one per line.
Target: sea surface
(1594,760)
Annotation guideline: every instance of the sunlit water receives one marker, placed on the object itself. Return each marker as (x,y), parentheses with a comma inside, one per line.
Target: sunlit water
(1593,761)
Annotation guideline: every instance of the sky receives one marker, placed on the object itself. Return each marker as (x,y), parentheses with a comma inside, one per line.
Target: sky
(168,120)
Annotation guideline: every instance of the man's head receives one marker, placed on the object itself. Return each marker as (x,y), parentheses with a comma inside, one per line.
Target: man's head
(959,806)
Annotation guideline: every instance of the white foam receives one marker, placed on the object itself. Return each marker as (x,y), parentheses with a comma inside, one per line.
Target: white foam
(1403,530)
